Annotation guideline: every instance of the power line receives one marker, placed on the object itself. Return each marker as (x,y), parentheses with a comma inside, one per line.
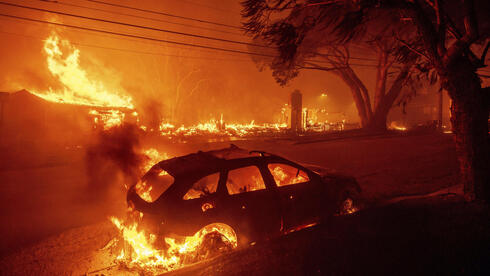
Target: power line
(138,36)
(179,33)
(127,50)
(148,53)
(165,14)
(159,40)
(126,39)
(190,18)
(142,17)
(134,25)
(206,6)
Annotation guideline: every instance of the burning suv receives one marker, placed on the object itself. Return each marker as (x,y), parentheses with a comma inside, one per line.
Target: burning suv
(257,194)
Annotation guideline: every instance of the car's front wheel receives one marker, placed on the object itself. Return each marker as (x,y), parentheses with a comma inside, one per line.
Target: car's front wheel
(349,203)
(218,237)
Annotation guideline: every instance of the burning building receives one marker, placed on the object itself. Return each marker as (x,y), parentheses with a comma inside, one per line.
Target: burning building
(29,118)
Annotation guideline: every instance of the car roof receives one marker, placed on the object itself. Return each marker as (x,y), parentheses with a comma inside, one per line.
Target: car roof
(205,162)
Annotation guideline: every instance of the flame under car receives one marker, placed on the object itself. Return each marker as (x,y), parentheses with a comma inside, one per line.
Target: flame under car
(259,195)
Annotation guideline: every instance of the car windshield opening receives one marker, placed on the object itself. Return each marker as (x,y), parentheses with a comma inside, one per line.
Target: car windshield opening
(154,183)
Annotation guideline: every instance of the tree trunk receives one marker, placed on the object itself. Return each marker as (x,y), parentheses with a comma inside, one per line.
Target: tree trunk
(469,118)
(381,77)
(385,100)
(356,95)
(363,92)
(378,121)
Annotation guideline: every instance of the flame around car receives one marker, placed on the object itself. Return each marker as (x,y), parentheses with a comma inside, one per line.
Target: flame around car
(151,253)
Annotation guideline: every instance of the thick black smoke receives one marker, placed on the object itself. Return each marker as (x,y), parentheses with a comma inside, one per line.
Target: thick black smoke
(113,160)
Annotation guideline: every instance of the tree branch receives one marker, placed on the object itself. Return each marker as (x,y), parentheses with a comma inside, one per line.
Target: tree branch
(484,54)
(428,2)
(428,32)
(441,27)
(412,49)
(470,36)
(315,66)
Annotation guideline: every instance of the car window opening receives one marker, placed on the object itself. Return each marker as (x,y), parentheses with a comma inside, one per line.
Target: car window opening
(203,187)
(246,179)
(154,184)
(287,175)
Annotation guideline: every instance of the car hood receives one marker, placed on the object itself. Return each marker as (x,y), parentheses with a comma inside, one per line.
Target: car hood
(322,171)
(327,173)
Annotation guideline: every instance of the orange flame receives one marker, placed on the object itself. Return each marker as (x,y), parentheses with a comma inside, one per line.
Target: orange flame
(142,253)
(282,178)
(109,118)
(215,127)
(153,156)
(78,88)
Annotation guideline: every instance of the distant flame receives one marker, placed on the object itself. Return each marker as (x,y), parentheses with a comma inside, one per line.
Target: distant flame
(153,156)
(396,126)
(108,119)
(220,128)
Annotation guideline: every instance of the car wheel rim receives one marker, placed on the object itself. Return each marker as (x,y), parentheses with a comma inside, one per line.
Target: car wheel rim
(347,207)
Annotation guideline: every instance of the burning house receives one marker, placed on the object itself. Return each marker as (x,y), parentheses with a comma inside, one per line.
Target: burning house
(32,119)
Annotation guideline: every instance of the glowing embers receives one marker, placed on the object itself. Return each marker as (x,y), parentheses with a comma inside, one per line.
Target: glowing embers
(397,126)
(301,227)
(63,62)
(151,253)
(219,128)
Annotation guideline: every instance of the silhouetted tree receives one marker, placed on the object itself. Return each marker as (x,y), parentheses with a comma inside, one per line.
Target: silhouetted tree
(301,43)
(445,32)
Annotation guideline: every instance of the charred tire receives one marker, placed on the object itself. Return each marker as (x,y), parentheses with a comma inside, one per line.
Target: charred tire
(349,202)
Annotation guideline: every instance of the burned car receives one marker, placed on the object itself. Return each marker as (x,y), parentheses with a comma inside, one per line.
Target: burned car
(259,195)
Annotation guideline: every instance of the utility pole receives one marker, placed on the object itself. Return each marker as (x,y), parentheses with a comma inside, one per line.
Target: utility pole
(296,112)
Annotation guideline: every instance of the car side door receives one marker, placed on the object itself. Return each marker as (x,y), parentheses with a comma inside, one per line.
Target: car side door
(201,204)
(299,195)
(251,206)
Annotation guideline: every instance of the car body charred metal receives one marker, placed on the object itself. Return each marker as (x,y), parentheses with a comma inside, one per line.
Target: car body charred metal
(259,195)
